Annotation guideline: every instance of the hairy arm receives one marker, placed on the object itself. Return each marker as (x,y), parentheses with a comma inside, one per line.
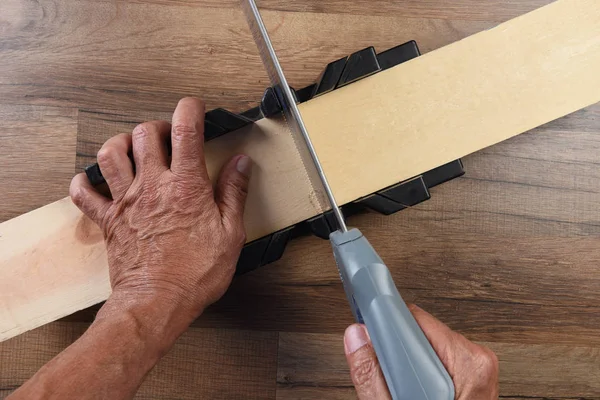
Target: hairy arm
(111,359)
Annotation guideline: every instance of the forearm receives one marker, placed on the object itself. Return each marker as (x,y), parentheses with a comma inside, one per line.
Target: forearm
(111,358)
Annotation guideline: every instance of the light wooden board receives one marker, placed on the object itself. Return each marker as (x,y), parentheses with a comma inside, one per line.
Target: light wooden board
(459,99)
(442,106)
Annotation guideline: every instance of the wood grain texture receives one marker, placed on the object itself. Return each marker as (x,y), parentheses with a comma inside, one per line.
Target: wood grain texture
(36,156)
(312,364)
(464,9)
(458,99)
(153,53)
(527,207)
(52,240)
(472,110)
(204,363)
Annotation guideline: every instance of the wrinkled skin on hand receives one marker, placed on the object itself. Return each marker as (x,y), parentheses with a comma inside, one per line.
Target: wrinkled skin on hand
(170,237)
(472,367)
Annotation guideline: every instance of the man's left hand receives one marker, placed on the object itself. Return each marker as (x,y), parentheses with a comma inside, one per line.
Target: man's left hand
(172,240)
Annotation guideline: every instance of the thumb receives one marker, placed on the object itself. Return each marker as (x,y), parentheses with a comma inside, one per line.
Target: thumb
(364,367)
(232,189)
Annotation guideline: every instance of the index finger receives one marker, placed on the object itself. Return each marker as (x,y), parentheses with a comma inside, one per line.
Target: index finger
(439,334)
(187,138)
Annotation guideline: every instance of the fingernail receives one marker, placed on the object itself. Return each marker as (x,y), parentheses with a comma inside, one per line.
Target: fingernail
(244,165)
(355,338)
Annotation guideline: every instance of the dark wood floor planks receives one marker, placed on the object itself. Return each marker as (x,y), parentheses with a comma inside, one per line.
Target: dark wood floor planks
(507,255)
(37,145)
(144,55)
(204,363)
(312,364)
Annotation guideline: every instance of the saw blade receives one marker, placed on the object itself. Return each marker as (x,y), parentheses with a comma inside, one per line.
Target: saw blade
(291,114)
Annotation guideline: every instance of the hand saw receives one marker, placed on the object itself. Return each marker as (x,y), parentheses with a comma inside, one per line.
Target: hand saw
(411,367)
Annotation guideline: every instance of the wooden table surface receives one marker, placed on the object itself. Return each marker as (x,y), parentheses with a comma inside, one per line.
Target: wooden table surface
(508,254)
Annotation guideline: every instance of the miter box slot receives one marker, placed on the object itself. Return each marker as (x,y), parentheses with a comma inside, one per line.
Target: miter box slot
(413,191)
(306,93)
(225,120)
(212,130)
(397,55)
(254,113)
(322,225)
(398,197)
(263,251)
(390,200)
(359,65)
(444,173)
(270,105)
(329,78)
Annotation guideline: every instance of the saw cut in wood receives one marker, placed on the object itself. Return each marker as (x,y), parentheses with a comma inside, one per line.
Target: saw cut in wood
(369,135)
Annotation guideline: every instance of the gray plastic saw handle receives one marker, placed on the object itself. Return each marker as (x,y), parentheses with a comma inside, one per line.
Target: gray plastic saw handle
(411,367)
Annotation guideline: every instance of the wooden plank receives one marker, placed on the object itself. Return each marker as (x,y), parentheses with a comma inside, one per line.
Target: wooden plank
(57,265)
(309,364)
(421,86)
(323,308)
(30,178)
(560,371)
(458,99)
(204,363)
(94,127)
(463,9)
(188,49)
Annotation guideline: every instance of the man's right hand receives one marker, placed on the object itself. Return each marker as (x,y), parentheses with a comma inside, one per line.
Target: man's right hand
(473,368)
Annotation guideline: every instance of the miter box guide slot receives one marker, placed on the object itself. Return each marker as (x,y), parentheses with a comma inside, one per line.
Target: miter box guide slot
(335,75)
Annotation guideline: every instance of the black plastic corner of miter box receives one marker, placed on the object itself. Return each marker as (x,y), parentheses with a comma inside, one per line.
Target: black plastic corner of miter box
(412,191)
(263,251)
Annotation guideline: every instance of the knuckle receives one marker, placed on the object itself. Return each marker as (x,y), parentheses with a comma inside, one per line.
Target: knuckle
(363,370)
(141,131)
(234,232)
(237,189)
(105,155)
(77,195)
(193,101)
(239,237)
(181,130)
(487,362)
